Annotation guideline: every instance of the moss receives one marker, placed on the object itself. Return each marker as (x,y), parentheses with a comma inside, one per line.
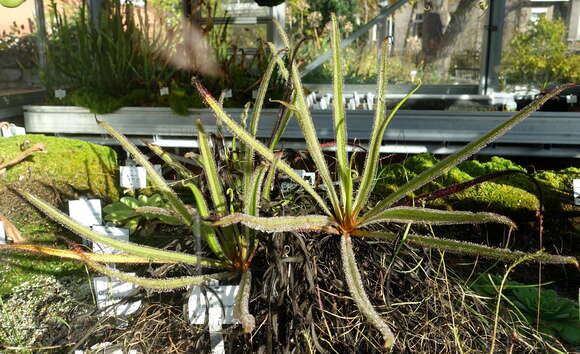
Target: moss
(513,195)
(80,165)
(69,168)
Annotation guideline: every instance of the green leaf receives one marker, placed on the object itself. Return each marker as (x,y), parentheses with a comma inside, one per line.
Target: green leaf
(166,215)
(253,191)
(279,223)
(128,247)
(469,248)
(358,293)
(345,177)
(163,284)
(471,148)
(262,90)
(258,146)
(181,170)
(312,142)
(207,233)
(210,169)
(269,180)
(80,255)
(379,126)
(436,217)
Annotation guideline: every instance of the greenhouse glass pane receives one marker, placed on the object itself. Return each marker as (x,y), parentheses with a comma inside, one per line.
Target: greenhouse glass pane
(440,44)
(541,45)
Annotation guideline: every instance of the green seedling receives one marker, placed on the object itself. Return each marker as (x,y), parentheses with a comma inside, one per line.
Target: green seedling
(143,213)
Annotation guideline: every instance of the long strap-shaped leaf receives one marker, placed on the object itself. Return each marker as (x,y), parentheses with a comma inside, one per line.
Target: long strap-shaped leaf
(358,293)
(254,191)
(258,146)
(436,217)
(344,174)
(207,232)
(372,161)
(163,284)
(156,179)
(262,90)
(468,248)
(79,256)
(279,223)
(312,142)
(210,169)
(181,170)
(471,148)
(372,158)
(242,305)
(128,247)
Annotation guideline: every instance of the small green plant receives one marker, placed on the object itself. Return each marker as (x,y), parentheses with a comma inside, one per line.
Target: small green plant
(558,316)
(348,214)
(141,213)
(539,56)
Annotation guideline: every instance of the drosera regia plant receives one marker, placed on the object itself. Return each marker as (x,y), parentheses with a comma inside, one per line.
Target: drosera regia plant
(232,247)
(347,211)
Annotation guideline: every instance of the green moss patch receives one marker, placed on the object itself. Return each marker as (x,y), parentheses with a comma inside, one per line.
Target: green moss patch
(68,169)
(514,195)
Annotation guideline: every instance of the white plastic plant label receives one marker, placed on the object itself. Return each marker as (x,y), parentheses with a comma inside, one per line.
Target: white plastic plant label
(132,177)
(228,93)
(164,91)
(3,239)
(356,97)
(323,103)
(310,177)
(254,93)
(5,131)
(86,211)
(220,297)
(11,130)
(351,104)
(370,101)
(571,99)
(60,93)
(110,292)
(196,306)
(217,306)
(17,131)
(114,232)
(576,188)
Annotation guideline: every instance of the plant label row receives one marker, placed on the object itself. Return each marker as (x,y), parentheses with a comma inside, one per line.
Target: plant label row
(3,239)
(576,187)
(86,211)
(10,130)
